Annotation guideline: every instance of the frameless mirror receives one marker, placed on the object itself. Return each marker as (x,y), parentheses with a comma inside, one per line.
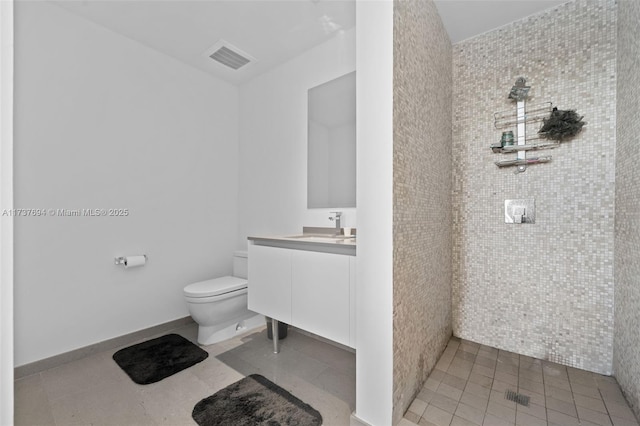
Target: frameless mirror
(331,144)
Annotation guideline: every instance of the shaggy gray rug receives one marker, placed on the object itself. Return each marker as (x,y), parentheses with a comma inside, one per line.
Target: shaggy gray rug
(153,360)
(254,401)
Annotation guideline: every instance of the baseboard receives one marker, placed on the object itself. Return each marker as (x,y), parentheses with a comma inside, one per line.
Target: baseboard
(76,354)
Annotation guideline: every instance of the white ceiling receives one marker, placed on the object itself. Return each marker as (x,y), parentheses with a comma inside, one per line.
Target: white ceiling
(464,19)
(272,31)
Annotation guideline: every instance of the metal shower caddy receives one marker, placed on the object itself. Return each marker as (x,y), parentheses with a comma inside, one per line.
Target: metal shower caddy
(519,119)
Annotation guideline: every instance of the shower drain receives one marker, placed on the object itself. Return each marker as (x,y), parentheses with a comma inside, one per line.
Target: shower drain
(518,398)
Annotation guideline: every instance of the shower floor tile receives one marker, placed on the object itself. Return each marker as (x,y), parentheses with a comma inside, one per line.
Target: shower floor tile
(470,388)
(94,390)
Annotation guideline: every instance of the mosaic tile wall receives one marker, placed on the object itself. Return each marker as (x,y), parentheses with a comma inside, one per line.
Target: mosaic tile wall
(422,196)
(626,350)
(544,289)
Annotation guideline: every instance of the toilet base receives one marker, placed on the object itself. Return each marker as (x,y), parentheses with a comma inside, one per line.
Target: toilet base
(218,333)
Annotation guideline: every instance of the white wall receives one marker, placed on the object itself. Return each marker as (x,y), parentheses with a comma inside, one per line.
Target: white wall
(104,122)
(6,222)
(273,142)
(374,289)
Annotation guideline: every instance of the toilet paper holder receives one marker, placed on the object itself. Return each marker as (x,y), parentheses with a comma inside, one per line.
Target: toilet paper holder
(122,260)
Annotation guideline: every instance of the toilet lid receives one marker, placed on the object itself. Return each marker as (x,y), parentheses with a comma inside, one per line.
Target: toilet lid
(215,287)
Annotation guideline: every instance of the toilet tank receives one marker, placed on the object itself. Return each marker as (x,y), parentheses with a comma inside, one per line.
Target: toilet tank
(240,265)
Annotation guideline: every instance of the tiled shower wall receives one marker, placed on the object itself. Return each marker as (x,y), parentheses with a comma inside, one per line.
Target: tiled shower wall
(626,351)
(422,235)
(544,289)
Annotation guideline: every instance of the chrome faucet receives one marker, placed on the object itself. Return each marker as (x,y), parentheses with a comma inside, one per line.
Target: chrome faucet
(336,217)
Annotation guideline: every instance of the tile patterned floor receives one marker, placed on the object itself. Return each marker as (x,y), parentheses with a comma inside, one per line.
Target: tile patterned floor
(468,385)
(95,391)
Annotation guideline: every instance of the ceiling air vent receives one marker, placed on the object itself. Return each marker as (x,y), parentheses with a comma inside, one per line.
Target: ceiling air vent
(229,55)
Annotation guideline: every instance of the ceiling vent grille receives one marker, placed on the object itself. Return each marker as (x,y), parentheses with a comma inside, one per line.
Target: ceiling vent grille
(229,55)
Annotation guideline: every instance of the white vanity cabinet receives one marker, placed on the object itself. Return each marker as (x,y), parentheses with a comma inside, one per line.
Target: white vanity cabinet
(270,282)
(314,291)
(320,294)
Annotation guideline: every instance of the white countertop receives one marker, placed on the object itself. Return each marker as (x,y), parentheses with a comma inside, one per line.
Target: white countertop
(310,242)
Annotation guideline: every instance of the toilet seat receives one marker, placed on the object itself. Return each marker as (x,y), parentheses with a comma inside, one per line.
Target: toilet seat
(215,287)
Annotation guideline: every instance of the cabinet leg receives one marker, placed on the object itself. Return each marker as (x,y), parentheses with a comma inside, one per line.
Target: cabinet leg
(276,339)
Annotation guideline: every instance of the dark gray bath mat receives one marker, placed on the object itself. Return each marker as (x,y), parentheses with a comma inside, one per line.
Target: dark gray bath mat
(156,359)
(254,401)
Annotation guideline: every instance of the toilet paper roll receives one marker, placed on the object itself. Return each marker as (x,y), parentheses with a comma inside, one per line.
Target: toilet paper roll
(133,261)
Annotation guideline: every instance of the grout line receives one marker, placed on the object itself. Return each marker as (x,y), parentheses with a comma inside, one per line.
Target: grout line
(603,403)
(573,397)
(518,384)
(495,369)
(544,393)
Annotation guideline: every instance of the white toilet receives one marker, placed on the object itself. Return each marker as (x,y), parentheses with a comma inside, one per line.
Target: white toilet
(219,305)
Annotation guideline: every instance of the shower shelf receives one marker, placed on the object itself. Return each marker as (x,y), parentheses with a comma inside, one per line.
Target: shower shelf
(528,147)
(523,162)
(518,121)
(504,119)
